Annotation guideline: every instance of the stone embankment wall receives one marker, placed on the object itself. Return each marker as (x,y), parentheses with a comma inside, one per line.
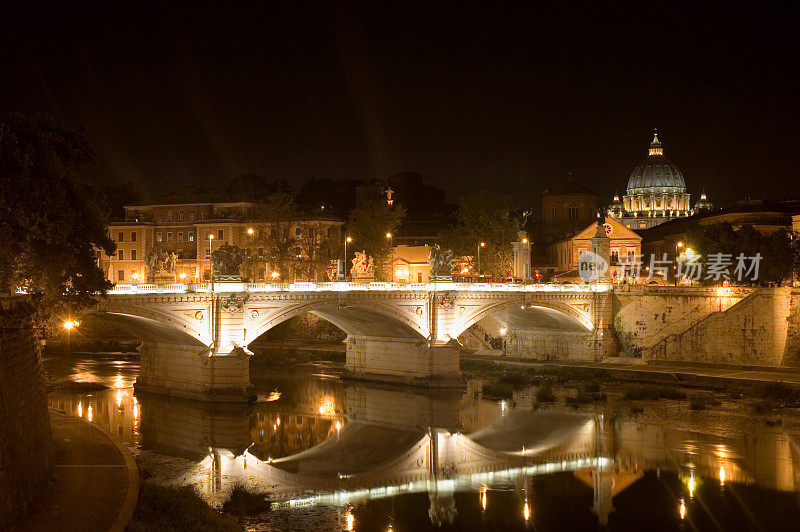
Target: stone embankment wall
(26,444)
(737,326)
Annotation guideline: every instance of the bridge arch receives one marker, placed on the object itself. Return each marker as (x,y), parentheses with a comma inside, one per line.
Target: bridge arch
(371,318)
(548,313)
(174,314)
(148,329)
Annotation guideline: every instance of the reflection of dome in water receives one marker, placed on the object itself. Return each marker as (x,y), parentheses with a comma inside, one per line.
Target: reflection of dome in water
(656,173)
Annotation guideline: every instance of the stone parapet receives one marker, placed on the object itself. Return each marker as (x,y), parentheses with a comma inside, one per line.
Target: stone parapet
(26,445)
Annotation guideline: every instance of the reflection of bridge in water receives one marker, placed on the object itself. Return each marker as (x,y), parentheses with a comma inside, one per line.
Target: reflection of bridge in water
(339,447)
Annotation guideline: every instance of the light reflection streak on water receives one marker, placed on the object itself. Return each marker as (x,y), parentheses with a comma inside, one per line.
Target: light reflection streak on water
(459,483)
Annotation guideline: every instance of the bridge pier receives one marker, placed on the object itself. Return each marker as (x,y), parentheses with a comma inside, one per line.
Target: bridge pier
(605,344)
(402,361)
(194,372)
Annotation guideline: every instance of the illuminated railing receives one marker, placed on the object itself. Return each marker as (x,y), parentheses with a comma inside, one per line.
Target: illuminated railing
(178,288)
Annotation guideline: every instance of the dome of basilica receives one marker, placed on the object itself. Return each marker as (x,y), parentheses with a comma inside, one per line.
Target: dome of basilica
(656,173)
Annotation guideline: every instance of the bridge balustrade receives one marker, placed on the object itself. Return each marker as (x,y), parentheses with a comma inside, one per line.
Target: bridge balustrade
(337,286)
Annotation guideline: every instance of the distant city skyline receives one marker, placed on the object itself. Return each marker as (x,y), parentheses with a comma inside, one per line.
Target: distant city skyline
(505,101)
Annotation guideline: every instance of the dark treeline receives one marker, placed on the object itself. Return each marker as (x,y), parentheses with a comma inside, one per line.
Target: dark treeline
(779,250)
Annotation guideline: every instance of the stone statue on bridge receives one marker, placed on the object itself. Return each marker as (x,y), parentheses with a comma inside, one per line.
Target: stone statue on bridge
(160,265)
(226,260)
(363,267)
(441,262)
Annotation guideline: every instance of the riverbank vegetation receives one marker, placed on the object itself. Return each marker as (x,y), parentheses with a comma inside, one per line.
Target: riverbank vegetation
(170,509)
(577,387)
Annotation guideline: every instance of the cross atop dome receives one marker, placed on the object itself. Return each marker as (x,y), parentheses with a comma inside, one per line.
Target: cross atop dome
(655,146)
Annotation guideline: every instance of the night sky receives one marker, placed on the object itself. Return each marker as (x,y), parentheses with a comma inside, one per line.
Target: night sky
(471,99)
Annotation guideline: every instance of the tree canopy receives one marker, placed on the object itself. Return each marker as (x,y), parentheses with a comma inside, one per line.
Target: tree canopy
(368,225)
(51,218)
(303,251)
(777,250)
(487,218)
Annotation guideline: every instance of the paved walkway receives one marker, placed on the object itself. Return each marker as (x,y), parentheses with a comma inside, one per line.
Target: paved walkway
(95,482)
(676,372)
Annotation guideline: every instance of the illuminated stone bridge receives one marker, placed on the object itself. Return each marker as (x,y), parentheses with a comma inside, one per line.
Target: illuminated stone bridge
(195,337)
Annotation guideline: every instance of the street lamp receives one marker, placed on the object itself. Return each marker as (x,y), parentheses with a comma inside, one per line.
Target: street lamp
(482,245)
(251,250)
(69,326)
(391,244)
(346,240)
(677,254)
(210,262)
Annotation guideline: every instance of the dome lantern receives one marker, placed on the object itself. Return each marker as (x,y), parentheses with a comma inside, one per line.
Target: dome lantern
(655,146)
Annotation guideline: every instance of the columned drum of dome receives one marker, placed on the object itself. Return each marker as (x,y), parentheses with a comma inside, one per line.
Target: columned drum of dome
(656,192)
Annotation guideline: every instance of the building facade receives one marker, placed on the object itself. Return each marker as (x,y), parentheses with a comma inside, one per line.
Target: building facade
(624,246)
(656,193)
(189,231)
(411,264)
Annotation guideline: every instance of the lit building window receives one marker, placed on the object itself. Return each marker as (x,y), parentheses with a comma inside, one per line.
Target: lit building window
(191,236)
(158,236)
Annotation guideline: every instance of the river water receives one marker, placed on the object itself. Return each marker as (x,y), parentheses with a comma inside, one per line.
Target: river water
(336,455)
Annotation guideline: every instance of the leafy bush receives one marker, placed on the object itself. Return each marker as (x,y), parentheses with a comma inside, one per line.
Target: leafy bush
(697,404)
(703,401)
(244,502)
(517,378)
(762,406)
(591,387)
(172,509)
(544,394)
(777,391)
(498,390)
(479,365)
